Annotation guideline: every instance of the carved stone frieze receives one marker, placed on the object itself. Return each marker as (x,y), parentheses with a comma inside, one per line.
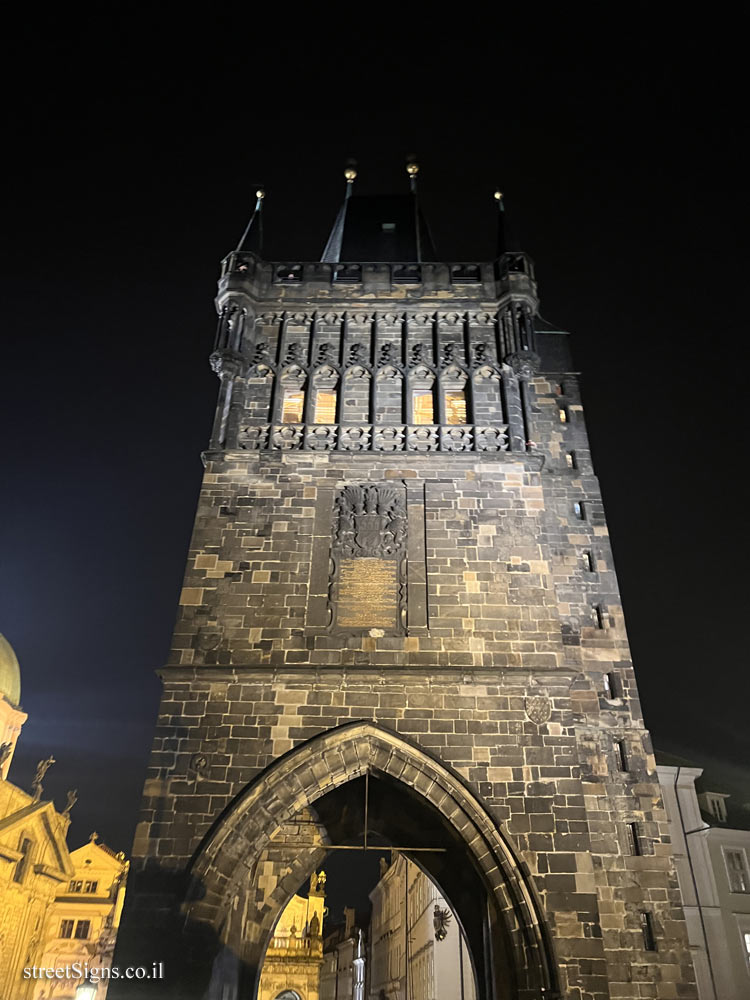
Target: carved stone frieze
(356,438)
(253,437)
(491,438)
(422,438)
(456,439)
(287,436)
(321,437)
(388,438)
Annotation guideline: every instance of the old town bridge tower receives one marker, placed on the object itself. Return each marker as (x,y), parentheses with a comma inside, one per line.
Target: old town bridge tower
(400,591)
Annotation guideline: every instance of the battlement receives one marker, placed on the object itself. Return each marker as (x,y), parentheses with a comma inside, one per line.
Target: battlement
(510,274)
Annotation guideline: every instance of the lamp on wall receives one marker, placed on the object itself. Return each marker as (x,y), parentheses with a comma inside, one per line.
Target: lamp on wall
(86,990)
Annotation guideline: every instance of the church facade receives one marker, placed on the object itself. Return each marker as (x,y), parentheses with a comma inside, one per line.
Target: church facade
(400,626)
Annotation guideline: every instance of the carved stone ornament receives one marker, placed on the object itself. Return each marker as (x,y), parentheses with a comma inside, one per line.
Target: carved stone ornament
(370,521)
(197,764)
(227,364)
(441,919)
(524,363)
(538,708)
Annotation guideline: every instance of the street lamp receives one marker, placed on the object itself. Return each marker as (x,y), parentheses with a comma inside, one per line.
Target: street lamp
(86,990)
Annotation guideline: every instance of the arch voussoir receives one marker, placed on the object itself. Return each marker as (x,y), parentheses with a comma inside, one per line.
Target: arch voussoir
(324,763)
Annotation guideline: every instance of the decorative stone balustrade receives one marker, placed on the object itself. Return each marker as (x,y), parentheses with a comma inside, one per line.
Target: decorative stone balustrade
(385,438)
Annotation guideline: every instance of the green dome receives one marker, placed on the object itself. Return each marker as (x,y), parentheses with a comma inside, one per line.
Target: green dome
(10,673)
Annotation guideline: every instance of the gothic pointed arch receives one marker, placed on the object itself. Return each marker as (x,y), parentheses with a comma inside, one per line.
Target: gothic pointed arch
(305,776)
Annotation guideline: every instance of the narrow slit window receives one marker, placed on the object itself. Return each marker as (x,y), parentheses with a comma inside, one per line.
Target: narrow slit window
(570,460)
(455,407)
(647,929)
(580,511)
(588,562)
(597,613)
(562,415)
(293,407)
(423,408)
(634,840)
(610,686)
(621,755)
(325,407)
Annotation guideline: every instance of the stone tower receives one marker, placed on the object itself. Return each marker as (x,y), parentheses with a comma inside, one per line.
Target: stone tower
(400,625)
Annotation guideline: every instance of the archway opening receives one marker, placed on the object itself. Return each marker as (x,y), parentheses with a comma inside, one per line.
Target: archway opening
(419,910)
(362,789)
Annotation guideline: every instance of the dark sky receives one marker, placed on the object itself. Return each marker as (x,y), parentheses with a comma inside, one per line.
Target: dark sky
(134,148)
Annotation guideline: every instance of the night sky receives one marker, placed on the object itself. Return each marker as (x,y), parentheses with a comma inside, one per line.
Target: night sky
(135,148)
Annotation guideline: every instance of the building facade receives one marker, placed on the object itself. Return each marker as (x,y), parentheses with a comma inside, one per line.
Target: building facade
(400,624)
(56,907)
(417,950)
(344,969)
(713,869)
(82,923)
(294,956)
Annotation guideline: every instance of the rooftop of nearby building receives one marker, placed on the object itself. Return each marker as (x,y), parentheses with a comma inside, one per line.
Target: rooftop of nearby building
(724,801)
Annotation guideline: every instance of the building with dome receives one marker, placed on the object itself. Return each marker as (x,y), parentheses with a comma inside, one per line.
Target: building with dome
(11,716)
(57,907)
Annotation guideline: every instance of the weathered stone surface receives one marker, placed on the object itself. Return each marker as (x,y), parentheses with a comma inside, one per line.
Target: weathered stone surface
(501,701)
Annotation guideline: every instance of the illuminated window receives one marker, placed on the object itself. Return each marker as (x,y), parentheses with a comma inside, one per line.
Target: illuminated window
(423,408)
(455,407)
(66,928)
(563,415)
(294,404)
(736,862)
(325,407)
(746,939)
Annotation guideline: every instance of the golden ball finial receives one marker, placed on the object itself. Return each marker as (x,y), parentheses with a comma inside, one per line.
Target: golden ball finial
(351,175)
(412,168)
(498,195)
(260,194)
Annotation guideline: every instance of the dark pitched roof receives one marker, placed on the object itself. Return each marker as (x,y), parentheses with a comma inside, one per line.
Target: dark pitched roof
(379,228)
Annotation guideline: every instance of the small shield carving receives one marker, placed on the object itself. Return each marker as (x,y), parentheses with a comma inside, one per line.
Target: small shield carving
(538,708)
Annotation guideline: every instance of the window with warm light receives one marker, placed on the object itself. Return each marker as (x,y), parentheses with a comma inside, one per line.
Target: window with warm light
(325,407)
(293,407)
(423,408)
(455,407)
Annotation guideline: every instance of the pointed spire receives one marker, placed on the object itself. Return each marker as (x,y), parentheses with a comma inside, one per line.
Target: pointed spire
(332,252)
(412,169)
(501,242)
(260,194)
